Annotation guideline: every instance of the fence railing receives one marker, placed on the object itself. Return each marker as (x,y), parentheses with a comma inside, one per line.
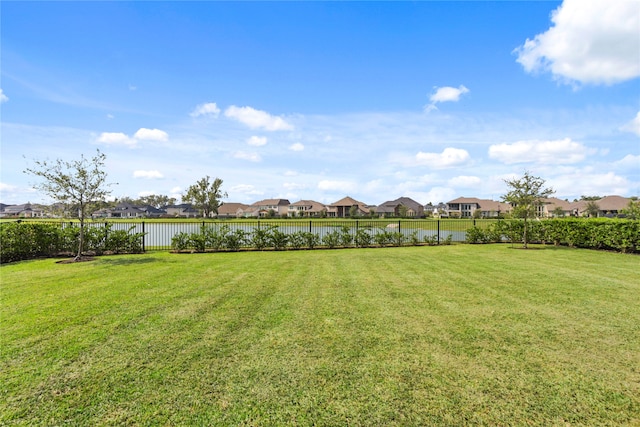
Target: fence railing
(158,234)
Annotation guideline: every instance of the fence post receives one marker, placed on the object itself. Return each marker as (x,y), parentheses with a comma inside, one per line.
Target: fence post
(310,226)
(399,225)
(143,238)
(438,231)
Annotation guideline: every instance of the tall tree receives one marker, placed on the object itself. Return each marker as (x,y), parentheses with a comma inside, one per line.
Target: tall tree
(205,195)
(157,200)
(525,196)
(78,183)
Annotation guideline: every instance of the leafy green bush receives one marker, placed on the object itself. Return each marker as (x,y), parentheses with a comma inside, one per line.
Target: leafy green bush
(332,239)
(180,241)
(476,235)
(363,238)
(345,236)
(297,240)
(278,239)
(234,240)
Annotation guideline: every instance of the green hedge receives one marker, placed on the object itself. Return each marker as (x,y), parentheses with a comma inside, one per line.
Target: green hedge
(26,240)
(606,234)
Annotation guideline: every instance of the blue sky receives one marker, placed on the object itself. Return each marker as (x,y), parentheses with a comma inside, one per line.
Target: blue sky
(319,100)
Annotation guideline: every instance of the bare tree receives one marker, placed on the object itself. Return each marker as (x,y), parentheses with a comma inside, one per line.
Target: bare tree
(78,183)
(205,195)
(525,196)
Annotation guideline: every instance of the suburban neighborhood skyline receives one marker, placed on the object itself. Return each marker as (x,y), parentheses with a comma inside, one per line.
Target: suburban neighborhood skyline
(427,100)
(402,207)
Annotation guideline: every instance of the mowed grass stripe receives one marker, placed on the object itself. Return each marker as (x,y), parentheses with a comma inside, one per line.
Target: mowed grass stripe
(401,336)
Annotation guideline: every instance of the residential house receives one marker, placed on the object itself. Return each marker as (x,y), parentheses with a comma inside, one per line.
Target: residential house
(471,207)
(342,208)
(184,210)
(436,211)
(121,210)
(553,207)
(267,207)
(231,210)
(608,206)
(402,207)
(26,210)
(307,208)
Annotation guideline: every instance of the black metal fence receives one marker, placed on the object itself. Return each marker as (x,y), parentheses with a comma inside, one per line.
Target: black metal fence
(158,234)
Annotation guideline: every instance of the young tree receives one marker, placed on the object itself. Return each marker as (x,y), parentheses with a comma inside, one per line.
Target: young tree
(592,209)
(205,195)
(79,183)
(525,197)
(632,211)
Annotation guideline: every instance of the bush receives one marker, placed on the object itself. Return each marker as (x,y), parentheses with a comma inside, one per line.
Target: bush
(476,235)
(25,240)
(297,240)
(278,239)
(332,239)
(234,240)
(345,236)
(180,241)
(363,238)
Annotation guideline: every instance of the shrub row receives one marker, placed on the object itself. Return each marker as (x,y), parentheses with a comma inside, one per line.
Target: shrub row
(26,240)
(606,234)
(270,237)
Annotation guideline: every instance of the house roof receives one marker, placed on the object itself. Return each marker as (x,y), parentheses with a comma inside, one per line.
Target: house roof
(272,202)
(231,208)
(348,201)
(314,206)
(554,202)
(486,205)
(613,203)
(391,205)
(607,203)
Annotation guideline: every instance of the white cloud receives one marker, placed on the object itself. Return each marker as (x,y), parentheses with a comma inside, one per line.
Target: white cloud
(145,134)
(343,186)
(629,161)
(209,109)
(296,147)
(465,181)
(445,94)
(590,41)
(449,157)
(7,187)
(586,181)
(147,174)
(133,88)
(257,141)
(634,125)
(294,186)
(291,173)
(561,151)
(245,155)
(245,189)
(110,116)
(448,94)
(438,195)
(116,138)
(3,97)
(257,119)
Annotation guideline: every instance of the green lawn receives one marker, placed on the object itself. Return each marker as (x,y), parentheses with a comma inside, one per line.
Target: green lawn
(445,335)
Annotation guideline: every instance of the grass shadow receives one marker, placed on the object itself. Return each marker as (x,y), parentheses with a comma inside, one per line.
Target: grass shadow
(115,260)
